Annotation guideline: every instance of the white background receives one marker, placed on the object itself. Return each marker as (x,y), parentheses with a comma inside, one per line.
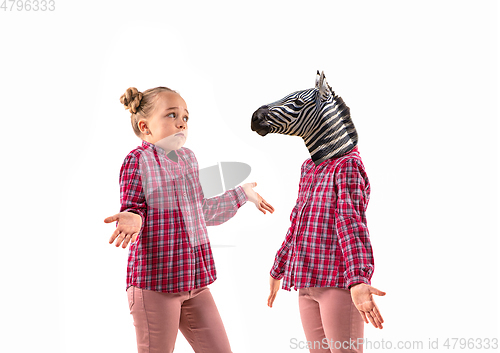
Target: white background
(420,78)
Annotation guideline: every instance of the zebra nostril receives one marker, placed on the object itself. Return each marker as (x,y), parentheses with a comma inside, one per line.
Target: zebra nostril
(259,121)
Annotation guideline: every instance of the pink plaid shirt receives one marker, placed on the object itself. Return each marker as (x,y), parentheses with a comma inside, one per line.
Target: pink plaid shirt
(172,253)
(327,244)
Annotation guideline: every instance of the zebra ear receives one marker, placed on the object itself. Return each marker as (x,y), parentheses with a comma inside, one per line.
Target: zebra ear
(324,89)
(316,85)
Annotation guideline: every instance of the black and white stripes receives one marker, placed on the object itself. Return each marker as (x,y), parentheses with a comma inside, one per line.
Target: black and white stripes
(317,115)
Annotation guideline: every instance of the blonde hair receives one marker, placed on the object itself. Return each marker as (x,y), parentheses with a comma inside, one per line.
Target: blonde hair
(141,105)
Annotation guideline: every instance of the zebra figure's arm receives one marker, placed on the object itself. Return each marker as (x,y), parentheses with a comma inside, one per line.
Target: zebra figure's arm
(350,221)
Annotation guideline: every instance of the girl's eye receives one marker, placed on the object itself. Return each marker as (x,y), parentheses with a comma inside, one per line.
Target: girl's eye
(171,115)
(185,119)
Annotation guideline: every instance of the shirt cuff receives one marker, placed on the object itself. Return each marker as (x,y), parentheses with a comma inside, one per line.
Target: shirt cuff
(356,280)
(359,275)
(241,196)
(274,274)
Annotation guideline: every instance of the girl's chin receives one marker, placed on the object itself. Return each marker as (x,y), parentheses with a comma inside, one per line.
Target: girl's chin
(171,146)
(179,145)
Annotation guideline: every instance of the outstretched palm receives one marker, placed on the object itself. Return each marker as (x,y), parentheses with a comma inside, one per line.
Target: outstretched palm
(362,297)
(128,228)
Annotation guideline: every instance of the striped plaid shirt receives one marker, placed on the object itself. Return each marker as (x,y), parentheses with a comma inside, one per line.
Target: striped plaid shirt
(172,252)
(327,244)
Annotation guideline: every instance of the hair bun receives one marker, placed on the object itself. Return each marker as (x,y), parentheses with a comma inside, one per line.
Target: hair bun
(131,99)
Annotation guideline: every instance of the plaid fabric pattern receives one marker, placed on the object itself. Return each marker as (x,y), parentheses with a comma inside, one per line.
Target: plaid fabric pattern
(327,244)
(172,252)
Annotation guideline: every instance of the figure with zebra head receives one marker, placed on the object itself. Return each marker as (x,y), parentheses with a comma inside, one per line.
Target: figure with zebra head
(326,255)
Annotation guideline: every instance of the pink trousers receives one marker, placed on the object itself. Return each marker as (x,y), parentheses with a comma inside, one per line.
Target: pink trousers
(330,320)
(158,316)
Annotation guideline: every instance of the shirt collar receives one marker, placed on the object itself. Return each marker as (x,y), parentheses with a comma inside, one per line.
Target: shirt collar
(152,146)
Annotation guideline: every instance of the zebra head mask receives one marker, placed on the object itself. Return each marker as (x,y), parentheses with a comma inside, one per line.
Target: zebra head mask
(317,115)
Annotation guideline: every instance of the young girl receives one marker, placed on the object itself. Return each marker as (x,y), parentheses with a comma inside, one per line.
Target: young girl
(164,216)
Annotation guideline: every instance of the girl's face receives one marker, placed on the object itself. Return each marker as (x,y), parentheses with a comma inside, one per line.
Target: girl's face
(168,124)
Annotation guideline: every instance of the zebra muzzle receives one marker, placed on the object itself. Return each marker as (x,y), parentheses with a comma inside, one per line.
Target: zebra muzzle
(259,121)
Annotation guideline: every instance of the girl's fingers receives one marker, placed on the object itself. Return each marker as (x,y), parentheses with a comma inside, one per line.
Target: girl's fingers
(265,205)
(113,236)
(363,316)
(377,313)
(377,321)
(376,291)
(268,206)
(371,320)
(129,238)
(111,219)
(119,239)
(271,298)
(125,241)
(374,320)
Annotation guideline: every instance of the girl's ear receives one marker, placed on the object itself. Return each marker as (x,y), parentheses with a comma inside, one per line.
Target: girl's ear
(324,89)
(141,124)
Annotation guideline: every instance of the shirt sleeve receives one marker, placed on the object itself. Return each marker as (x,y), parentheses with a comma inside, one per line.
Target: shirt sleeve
(219,209)
(353,192)
(131,193)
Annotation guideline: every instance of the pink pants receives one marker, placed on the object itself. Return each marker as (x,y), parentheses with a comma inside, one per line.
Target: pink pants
(158,316)
(330,320)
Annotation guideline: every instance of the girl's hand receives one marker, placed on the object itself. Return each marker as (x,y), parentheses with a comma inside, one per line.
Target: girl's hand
(362,297)
(129,226)
(256,198)
(275,287)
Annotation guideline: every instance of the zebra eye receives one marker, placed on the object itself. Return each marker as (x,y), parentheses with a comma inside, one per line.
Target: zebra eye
(298,102)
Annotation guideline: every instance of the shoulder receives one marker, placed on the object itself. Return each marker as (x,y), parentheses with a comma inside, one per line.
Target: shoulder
(349,161)
(307,165)
(351,171)
(131,165)
(134,155)
(349,167)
